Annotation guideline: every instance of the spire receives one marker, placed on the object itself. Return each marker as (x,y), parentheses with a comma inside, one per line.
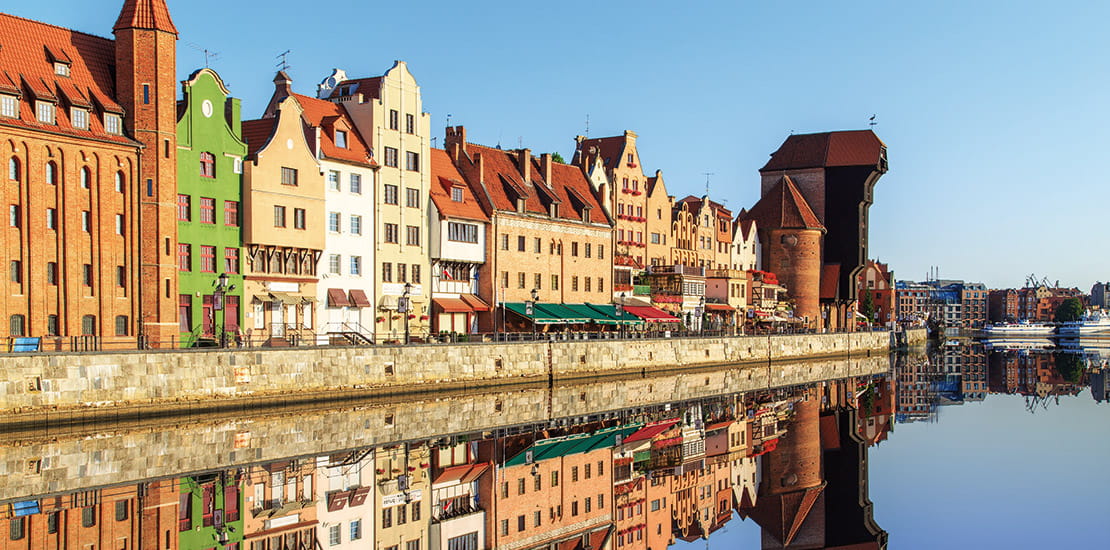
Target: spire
(145,14)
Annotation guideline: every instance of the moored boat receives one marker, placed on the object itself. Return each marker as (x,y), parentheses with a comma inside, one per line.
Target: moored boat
(1024,328)
(1091,323)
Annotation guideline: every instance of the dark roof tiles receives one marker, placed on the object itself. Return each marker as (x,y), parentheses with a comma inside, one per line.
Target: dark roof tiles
(828,149)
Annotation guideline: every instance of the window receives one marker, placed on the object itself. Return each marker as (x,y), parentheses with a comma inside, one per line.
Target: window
(402,515)
(589,501)
(113,124)
(119,224)
(504,241)
(207,210)
(410,124)
(334,535)
(231,213)
(463,542)
(588,249)
(79,118)
(390,194)
(574,508)
(387,517)
(574,248)
(539,281)
(288,176)
(87,274)
(208,165)
(520,280)
(588,471)
(520,523)
(17,325)
(391,233)
(394,119)
(600,496)
(504,279)
(51,173)
(13,215)
(554,282)
(356,225)
(504,527)
(15,528)
(119,182)
(184,257)
(601,252)
(231,260)
(416,273)
(391,157)
(52,330)
(574,283)
(356,184)
(44,111)
(356,266)
(456,194)
(207,259)
(520,486)
(9,106)
(51,273)
(279,216)
(356,529)
(574,473)
(412,197)
(387,272)
(600,284)
(341,139)
(412,235)
(402,273)
(333,222)
(412,161)
(298,218)
(333,180)
(462,232)
(555,479)
(333,264)
(416,513)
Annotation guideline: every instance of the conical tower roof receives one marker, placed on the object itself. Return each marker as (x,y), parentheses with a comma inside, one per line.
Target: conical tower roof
(784,207)
(145,14)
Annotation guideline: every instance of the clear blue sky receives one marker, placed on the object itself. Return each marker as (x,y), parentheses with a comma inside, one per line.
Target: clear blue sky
(995,113)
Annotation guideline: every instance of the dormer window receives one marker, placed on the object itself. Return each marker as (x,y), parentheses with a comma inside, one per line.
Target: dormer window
(61,69)
(341,139)
(9,106)
(113,124)
(79,117)
(520,205)
(457,194)
(44,111)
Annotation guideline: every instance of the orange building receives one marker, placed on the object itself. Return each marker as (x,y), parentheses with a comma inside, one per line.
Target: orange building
(88,135)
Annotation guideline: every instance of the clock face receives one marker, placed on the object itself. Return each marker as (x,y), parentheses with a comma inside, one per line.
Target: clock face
(206,108)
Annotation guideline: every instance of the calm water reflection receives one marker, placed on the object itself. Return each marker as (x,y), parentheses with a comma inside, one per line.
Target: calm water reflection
(950,447)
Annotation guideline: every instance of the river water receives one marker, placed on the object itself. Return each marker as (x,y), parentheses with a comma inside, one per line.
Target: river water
(961,447)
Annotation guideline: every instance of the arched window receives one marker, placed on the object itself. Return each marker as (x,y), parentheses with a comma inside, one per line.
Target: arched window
(13,169)
(207,165)
(85,177)
(88,325)
(51,173)
(119,182)
(17,325)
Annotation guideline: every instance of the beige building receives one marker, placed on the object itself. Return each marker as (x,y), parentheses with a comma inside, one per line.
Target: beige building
(283,232)
(402,506)
(389,114)
(659,227)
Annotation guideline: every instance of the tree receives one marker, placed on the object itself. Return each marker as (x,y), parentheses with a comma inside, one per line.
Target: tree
(1069,310)
(1070,366)
(867,307)
(558,158)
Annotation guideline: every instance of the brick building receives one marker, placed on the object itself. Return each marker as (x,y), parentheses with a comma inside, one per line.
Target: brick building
(89,144)
(877,280)
(1002,305)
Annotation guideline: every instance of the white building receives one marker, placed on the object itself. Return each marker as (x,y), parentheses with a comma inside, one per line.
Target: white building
(457,229)
(345,500)
(745,245)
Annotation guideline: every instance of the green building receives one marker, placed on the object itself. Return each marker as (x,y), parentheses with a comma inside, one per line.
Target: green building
(210,151)
(210,512)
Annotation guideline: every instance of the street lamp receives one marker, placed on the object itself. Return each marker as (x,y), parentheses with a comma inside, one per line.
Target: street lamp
(404,305)
(530,309)
(222,288)
(700,314)
(620,314)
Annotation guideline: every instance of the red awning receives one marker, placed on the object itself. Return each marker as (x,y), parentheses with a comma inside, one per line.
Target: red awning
(650,431)
(651,314)
(474,302)
(359,299)
(717,426)
(337,298)
(464,473)
(719,307)
(451,305)
(475,472)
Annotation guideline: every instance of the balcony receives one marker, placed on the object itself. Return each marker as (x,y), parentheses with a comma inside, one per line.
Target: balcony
(677,270)
(725,274)
(456,512)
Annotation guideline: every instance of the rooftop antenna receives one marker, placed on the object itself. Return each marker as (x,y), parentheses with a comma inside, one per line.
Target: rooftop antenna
(872,122)
(587,124)
(707,174)
(284,57)
(448,120)
(209,55)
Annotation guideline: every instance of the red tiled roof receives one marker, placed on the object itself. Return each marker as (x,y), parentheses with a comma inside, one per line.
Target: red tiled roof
(845,148)
(610,149)
(27,68)
(330,117)
(256,133)
(830,281)
(782,515)
(783,207)
(446,177)
(371,88)
(145,14)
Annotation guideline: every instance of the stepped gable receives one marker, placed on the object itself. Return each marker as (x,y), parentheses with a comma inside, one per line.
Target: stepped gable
(145,14)
(783,207)
(28,52)
(827,149)
(330,117)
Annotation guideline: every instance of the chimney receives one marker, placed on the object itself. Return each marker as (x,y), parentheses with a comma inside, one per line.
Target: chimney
(545,165)
(455,141)
(524,164)
(283,88)
(481,162)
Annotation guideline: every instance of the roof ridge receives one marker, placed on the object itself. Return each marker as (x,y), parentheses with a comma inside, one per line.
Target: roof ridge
(2,14)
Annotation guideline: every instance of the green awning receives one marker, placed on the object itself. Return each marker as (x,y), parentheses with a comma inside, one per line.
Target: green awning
(610,311)
(563,312)
(584,310)
(540,316)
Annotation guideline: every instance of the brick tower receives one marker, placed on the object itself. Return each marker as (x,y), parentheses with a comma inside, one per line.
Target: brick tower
(791,237)
(146,50)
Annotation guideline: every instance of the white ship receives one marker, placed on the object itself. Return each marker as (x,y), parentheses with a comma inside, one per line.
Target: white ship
(1023,328)
(1091,323)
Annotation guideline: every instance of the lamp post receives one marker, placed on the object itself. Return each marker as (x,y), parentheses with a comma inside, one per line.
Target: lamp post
(620,314)
(700,314)
(530,309)
(404,305)
(222,288)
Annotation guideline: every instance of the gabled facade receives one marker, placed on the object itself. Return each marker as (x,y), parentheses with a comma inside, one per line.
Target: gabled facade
(344,308)
(548,231)
(283,230)
(345,499)
(659,228)
(457,228)
(88,143)
(388,112)
(210,153)
(746,251)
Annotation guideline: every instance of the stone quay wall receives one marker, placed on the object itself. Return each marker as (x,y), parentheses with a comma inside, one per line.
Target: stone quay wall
(55,383)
